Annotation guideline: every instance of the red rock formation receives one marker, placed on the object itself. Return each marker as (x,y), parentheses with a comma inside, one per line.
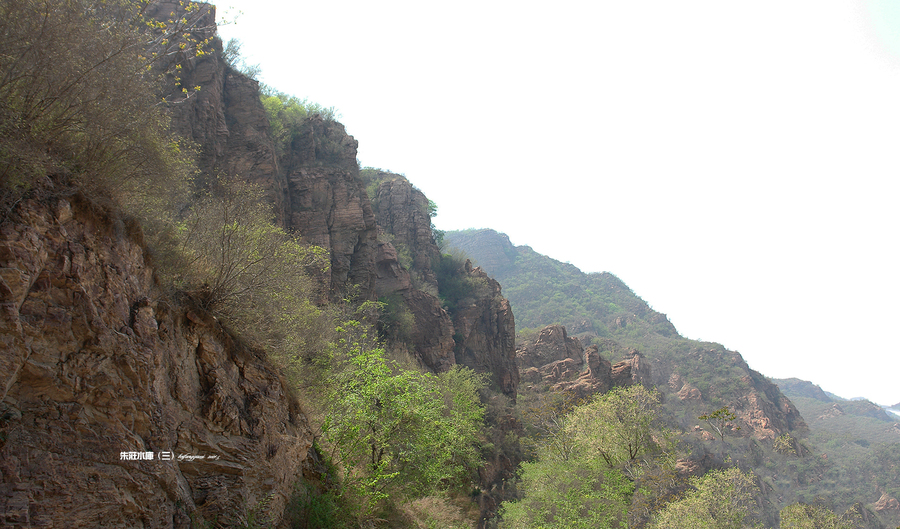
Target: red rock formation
(402,210)
(552,344)
(558,360)
(96,362)
(432,336)
(887,503)
(486,331)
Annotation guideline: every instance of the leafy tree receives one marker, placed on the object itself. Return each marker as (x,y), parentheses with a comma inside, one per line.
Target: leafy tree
(724,499)
(804,516)
(396,432)
(232,55)
(579,493)
(455,284)
(616,425)
(546,419)
(596,462)
(718,421)
(785,444)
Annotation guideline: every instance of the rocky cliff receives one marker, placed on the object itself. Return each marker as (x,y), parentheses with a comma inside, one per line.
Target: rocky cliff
(317,192)
(314,186)
(123,407)
(479,331)
(101,368)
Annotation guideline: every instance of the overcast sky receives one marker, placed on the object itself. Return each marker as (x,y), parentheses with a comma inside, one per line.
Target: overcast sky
(735,163)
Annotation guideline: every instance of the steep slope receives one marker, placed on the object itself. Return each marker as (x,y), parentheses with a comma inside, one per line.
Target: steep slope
(476,330)
(860,444)
(99,367)
(106,375)
(318,193)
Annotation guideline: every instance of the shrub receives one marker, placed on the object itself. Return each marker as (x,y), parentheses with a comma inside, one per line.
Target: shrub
(79,94)
(241,266)
(395,432)
(287,113)
(616,425)
(232,56)
(724,499)
(456,287)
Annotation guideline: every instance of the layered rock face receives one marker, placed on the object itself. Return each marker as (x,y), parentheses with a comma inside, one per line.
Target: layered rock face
(99,368)
(225,118)
(480,333)
(766,410)
(314,186)
(328,206)
(317,193)
(487,335)
(402,211)
(556,359)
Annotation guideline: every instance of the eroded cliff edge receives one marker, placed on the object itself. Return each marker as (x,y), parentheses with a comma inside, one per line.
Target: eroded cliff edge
(96,363)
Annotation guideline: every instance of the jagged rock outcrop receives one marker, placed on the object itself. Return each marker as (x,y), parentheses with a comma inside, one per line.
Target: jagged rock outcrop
(432,333)
(317,193)
(314,186)
(225,118)
(486,331)
(479,333)
(556,359)
(887,503)
(551,345)
(98,366)
(329,208)
(765,409)
(390,276)
(403,211)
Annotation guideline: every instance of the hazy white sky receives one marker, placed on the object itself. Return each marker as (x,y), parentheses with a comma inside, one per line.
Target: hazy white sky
(735,163)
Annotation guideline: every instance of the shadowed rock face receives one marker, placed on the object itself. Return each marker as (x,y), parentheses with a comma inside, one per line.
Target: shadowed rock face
(402,211)
(314,186)
(486,335)
(95,363)
(317,194)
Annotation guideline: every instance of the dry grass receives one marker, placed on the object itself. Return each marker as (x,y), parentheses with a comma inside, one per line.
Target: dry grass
(434,512)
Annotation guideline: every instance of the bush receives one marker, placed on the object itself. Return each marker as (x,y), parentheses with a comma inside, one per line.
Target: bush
(617,426)
(287,113)
(396,433)
(79,94)
(582,493)
(804,516)
(724,499)
(456,287)
(239,265)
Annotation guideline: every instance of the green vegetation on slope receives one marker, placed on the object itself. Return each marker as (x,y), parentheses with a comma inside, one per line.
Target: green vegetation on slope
(81,113)
(79,96)
(859,444)
(695,378)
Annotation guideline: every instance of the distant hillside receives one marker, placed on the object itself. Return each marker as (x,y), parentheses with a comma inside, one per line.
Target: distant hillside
(851,454)
(597,307)
(859,440)
(802,389)
(545,291)
(794,387)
